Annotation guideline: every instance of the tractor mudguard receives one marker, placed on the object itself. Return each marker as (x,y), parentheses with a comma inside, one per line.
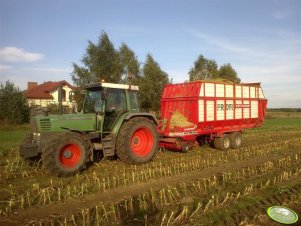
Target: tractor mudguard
(147,115)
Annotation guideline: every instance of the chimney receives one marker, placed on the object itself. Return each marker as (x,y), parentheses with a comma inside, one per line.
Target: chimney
(31,85)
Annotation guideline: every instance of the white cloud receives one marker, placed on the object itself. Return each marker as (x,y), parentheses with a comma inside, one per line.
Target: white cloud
(50,69)
(4,68)
(13,54)
(219,42)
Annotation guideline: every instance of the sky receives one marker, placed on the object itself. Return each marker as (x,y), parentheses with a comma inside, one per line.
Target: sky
(261,39)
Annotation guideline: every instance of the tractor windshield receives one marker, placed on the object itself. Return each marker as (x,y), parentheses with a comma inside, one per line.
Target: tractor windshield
(93,102)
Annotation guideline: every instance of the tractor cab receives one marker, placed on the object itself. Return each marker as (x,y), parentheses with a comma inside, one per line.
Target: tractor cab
(108,101)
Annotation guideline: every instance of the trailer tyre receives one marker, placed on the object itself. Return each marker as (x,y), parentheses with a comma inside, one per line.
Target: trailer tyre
(137,141)
(185,147)
(66,154)
(222,143)
(236,140)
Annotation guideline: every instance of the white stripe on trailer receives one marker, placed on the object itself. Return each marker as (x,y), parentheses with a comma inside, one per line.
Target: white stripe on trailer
(220,110)
(209,110)
(238,109)
(201,111)
(209,89)
(202,90)
(245,92)
(238,93)
(254,109)
(229,90)
(246,108)
(220,90)
(261,94)
(229,109)
(252,92)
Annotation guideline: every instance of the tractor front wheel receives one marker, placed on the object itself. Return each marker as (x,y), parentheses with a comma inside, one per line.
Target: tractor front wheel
(66,154)
(137,141)
(34,159)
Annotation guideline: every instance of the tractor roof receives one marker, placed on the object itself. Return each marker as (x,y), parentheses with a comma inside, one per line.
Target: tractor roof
(111,85)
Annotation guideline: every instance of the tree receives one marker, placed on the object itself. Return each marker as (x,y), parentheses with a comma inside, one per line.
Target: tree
(13,106)
(151,84)
(204,69)
(129,62)
(101,62)
(228,73)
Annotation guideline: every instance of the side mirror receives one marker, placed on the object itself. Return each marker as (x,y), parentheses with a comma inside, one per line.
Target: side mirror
(103,94)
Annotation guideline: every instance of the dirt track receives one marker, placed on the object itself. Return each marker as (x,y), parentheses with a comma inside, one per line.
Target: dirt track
(116,195)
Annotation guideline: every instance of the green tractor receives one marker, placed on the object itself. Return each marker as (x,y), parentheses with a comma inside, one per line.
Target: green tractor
(110,124)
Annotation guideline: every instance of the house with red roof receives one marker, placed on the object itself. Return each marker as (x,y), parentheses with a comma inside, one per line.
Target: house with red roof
(48,93)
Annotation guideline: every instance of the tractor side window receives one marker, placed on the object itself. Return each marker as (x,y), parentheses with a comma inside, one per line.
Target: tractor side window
(93,102)
(116,100)
(134,104)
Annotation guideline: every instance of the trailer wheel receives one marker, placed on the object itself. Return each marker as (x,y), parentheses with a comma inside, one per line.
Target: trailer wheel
(236,140)
(137,141)
(185,147)
(65,154)
(222,143)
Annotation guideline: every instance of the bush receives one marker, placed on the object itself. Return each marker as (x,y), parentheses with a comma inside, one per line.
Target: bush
(13,106)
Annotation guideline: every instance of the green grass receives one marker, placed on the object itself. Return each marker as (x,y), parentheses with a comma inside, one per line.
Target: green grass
(9,141)
(282,114)
(282,122)
(11,138)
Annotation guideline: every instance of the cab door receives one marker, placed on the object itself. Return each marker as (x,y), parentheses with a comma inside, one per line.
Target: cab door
(115,105)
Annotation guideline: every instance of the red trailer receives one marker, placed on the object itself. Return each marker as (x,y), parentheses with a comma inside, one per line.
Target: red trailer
(216,112)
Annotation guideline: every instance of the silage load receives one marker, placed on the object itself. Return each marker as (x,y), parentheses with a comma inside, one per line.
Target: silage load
(179,120)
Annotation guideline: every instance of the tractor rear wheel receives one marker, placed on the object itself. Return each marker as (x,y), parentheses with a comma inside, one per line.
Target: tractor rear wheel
(236,140)
(222,143)
(66,154)
(137,141)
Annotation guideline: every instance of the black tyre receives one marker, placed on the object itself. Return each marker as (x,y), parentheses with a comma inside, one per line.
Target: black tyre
(185,147)
(236,140)
(66,154)
(29,160)
(222,143)
(137,141)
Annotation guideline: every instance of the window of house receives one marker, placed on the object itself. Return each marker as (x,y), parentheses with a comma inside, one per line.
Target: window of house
(63,95)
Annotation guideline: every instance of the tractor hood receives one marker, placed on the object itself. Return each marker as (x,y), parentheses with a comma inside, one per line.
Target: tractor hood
(58,123)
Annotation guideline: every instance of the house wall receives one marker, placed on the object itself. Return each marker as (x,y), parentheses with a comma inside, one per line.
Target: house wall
(55,100)
(40,102)
(55,95)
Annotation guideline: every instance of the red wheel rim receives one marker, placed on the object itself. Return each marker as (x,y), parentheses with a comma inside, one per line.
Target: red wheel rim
(142,142)
(70,155)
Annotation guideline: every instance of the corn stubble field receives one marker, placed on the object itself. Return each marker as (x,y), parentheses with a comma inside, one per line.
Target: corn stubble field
(202,187)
